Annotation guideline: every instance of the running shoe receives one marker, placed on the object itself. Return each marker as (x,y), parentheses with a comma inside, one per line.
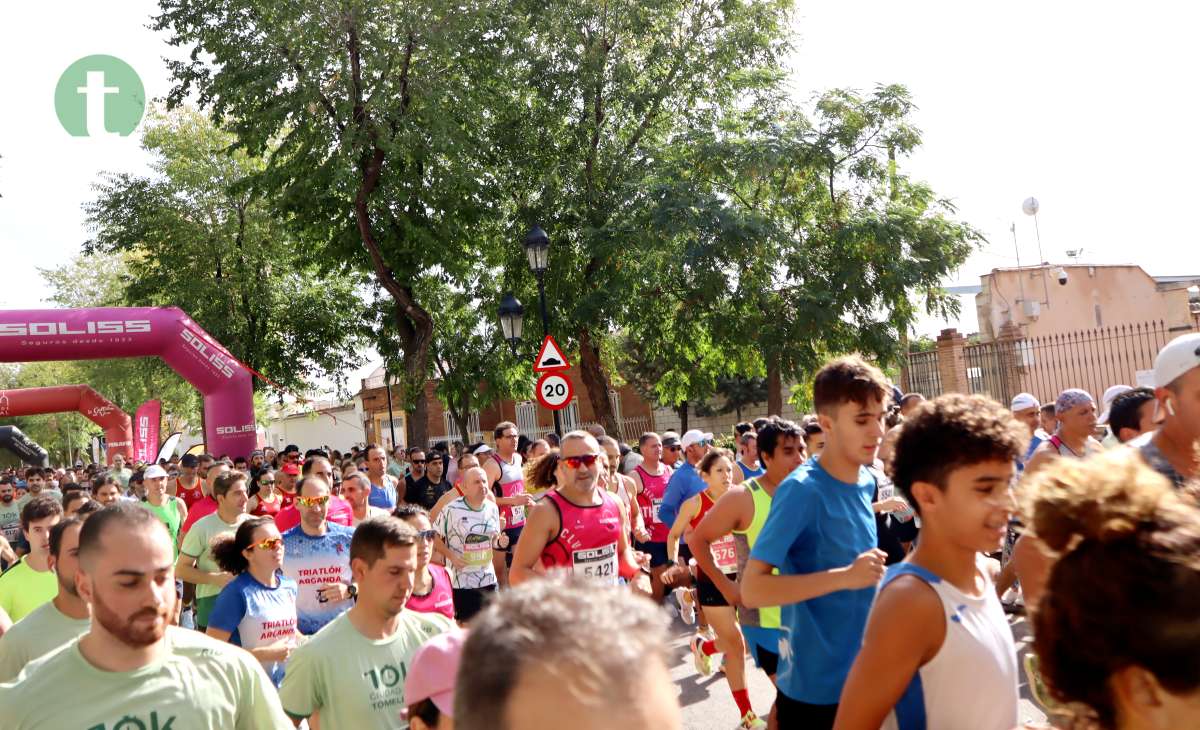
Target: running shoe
(750,721)
(702,661)
(687,611)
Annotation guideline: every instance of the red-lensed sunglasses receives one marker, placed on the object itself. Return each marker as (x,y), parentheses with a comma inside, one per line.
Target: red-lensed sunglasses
(584,460)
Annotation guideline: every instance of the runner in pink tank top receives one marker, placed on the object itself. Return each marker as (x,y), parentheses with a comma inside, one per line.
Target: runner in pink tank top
(650,499)
(587,538)
(439,599)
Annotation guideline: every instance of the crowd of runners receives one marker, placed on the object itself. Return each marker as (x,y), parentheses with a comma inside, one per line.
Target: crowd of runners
(865,559)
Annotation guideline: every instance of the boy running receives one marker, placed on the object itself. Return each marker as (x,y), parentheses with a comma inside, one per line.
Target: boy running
(937,645)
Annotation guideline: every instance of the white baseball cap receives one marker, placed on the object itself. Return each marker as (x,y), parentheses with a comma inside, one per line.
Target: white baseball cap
(1024,401)
(693,437)
(1179,356)
(1110,395)
(154,471)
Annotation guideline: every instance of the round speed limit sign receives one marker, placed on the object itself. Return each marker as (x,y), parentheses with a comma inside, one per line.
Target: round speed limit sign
(554,391)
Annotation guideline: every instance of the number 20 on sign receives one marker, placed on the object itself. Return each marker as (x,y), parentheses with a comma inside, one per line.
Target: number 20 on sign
(554,391)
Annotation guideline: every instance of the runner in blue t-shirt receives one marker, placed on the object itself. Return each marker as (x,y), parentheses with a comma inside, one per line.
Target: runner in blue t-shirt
(820,534)
(317,558)
(257,609)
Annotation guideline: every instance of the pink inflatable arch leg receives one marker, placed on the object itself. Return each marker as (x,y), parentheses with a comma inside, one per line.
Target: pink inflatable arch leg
(118,427)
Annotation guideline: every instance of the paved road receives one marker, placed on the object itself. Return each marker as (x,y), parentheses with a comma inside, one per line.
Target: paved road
(707,704)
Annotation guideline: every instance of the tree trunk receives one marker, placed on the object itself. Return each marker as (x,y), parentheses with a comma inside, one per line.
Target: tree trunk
(774,387)
(682,410)
(596,382)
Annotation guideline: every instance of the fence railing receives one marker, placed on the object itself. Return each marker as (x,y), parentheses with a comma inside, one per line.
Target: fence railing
(1092,359)
(630,430)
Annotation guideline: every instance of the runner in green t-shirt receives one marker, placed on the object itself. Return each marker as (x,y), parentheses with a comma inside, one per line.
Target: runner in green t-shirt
(10,515)
(30,582)
(352,671)
(195,563)
(125,672)
(55,622)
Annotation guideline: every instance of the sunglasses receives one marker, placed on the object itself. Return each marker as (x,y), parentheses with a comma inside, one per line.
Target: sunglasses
(674,448)
(426,535)
(269,544)
(312,501)
(576,462)
(418,461)
(266,481)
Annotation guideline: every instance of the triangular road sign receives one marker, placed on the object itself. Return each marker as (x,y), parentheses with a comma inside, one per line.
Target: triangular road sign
(550,358)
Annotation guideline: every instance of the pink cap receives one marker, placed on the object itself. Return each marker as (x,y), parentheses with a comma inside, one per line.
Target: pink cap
(432,671)
(290,469)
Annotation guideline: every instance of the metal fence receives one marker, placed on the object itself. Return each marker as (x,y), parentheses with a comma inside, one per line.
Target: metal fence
(630,430)
(1089,359)
(988,371)
(922,374)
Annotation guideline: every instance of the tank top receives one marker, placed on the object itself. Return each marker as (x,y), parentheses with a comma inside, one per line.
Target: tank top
(439,599)
(767,617)
(972,680)
(723,551)
(586,543)
(1090,447)
(747,472)
(511,484)
(169,515)
(650,501)
(189,496)
(268,509)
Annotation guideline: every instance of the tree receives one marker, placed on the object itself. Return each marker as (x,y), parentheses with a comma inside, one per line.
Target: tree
(736,393)
(389,118)
(193,235)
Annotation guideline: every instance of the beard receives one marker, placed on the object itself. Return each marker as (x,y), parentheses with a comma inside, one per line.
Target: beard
(68,586)
(124,628)
(7,498)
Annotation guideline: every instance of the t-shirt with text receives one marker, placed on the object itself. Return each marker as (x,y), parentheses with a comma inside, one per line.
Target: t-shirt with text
(468,533)
(257,615)
(313,562)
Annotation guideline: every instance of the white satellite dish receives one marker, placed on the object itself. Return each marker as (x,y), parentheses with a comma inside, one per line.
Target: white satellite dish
(1030,206)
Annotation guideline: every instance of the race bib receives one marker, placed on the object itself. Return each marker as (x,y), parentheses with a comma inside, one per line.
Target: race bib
(518,513)
(598,563)
(477,551)
(657,506)
(725,555)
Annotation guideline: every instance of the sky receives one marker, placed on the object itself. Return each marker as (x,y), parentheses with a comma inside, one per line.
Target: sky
(1087,106)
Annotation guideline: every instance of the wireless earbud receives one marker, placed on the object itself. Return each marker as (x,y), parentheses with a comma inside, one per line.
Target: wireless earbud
(1170,407)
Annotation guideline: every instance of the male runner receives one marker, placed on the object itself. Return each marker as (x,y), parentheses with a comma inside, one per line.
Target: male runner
(564,652)
(119,471)
(55,622)
(747,462)
(36,484)
(467,531)
(465,461)
(743,512)
(383,485)
(317,556)
(208,504)
(417,462)
(672,452)
(30,582)
(1075,411)
(430,486)
(685,482)
(650,484)
(578,525)
(356,489)
(189,485)
(1132,414)
(353,671)
(338,511)
(503,468)
(821,536)
(1172,449)
(10,513)
(126,671)
(195,563)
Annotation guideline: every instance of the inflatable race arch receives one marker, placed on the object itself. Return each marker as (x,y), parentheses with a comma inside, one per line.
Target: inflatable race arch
(12,439)
(165,332)
(117,425)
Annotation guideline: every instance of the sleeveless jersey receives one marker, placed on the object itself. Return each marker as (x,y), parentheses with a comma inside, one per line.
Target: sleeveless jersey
(747,472)
(286,499)
(268,509)
(767,617)
(586,543)
(189,496)
(439,599)
(650,501)
(1090,448)
(972,680)
(169,515)
(723,551)
(512,484)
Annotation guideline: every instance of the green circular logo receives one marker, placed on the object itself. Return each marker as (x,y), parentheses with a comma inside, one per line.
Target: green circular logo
(99,96)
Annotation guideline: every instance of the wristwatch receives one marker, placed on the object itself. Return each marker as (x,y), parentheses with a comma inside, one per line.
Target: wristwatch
(352,591)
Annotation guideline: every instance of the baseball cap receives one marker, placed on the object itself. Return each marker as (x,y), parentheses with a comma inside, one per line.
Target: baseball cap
(1024,401)
(1107,400)
(189,461)
(1179,356)
(482,449)
(291,469)
(79,465)
(670,438)
(154,472)
(694,436)
(432,671)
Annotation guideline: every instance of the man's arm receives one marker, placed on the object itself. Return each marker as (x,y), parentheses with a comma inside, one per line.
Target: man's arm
(540,526)
(761,588)
(186,570)
(905,630)
(672,498)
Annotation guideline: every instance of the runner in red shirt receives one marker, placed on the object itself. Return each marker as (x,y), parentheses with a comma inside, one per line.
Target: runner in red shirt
(189,486)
